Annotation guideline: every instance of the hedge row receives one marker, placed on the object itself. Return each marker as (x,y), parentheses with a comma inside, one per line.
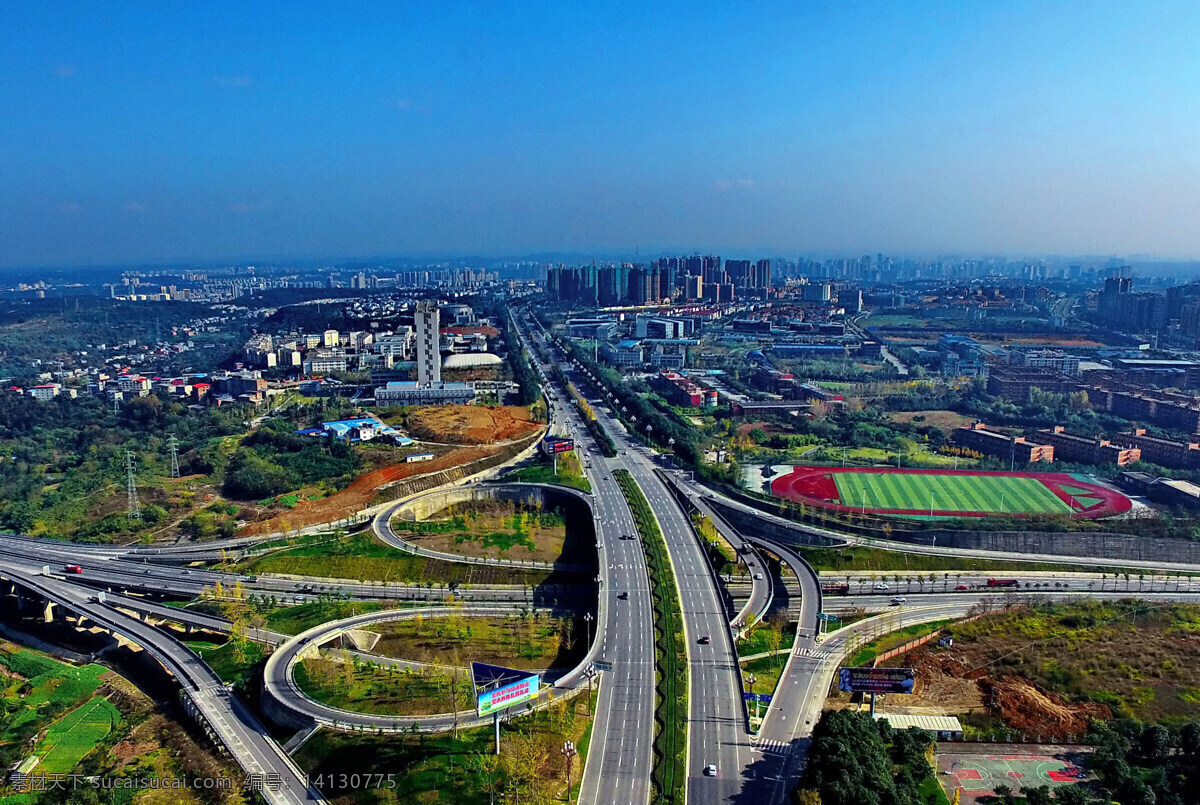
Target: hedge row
(670,652)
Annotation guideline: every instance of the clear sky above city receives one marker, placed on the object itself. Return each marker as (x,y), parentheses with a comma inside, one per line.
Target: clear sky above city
(201,131)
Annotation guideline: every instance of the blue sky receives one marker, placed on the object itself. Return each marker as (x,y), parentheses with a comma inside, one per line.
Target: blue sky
(206,131)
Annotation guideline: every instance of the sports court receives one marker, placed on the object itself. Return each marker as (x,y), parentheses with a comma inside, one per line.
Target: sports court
(978,775)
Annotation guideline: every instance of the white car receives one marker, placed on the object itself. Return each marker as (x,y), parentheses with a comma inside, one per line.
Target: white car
(899,601)
(710,770)
(758,576)
(881,588)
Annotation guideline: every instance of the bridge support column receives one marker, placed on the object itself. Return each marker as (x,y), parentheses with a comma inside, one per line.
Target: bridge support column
(48,612)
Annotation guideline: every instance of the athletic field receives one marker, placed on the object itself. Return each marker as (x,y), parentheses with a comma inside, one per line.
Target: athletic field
(976,493)
(949,493)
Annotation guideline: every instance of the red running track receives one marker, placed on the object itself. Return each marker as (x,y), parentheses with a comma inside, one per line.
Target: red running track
(816,486)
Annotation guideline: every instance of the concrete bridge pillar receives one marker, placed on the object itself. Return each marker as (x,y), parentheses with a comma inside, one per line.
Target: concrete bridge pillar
(48,612)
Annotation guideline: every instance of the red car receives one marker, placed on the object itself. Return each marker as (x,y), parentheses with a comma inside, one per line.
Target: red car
(73,569)
(962,587)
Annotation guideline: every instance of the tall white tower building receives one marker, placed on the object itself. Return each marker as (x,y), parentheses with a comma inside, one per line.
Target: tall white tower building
(429,358)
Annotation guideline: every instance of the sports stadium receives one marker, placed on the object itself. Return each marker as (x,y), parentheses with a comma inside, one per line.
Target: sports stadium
(949,493)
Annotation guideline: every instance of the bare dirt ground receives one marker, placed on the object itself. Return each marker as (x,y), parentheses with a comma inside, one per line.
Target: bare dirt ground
(470,424)
(359,494)
(942,419)
(946,684)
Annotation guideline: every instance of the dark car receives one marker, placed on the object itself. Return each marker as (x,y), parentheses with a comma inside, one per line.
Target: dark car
(705,640)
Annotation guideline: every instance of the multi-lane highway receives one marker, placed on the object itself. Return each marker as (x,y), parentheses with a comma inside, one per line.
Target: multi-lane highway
(234,725)
(718,733)
(620,757)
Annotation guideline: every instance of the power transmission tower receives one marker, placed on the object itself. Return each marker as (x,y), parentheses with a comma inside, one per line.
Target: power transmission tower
(135,510)
(116,405)
(173,446)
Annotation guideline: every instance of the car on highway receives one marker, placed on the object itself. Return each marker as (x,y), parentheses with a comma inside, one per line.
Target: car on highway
(881,588)
(710,770)
(758,576)
(72,569)
(704,640)
(962,587)
(624,596)
(899,601)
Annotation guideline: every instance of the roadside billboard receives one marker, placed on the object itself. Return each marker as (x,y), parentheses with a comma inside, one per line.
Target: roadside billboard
(511,694)
(553,445)
(876,680)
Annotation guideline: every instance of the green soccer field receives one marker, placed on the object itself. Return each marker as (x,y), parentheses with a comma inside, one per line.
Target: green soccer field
(947,493)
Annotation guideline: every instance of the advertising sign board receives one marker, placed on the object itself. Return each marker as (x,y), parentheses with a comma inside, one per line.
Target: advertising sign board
(509,695)
(876,680)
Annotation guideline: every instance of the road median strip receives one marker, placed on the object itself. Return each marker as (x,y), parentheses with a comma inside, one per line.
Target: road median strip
(670,651)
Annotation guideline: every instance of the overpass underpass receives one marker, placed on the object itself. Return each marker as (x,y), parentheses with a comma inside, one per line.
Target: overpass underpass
(223,716)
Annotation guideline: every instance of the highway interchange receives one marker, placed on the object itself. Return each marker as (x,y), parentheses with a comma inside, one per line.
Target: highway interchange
(760,766)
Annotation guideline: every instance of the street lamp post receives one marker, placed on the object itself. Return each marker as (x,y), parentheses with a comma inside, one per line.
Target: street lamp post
(568,751)
(588,620)
(750,680)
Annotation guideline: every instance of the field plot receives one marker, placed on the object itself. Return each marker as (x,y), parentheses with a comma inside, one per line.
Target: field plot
(71,739)
(949,493)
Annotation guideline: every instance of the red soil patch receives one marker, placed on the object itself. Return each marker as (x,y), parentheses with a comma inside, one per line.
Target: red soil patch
(359,494)
(471,424)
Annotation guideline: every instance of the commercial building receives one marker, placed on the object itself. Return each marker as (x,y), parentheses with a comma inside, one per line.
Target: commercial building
(408,392)
(1017,449)
(623,353)
(429,358)
(1069,447)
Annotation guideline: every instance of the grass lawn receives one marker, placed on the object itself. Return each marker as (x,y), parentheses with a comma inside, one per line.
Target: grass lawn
(758,640)
(766,673)
(931,793)
(385,690)
(359,557)
(226,661)
(544,474)
(866,654)
(443,770)
(947,493)
(497,529)
(517,642)
(296,619)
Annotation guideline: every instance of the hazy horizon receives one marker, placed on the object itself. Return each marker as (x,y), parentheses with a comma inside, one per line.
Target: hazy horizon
(185,134)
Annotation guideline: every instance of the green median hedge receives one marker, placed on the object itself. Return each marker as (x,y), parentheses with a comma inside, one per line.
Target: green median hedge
(670,652)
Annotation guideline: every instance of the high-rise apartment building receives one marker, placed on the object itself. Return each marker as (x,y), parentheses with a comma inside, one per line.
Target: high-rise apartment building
(429,357)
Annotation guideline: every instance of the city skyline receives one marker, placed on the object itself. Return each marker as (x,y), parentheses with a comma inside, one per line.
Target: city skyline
(188,135)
